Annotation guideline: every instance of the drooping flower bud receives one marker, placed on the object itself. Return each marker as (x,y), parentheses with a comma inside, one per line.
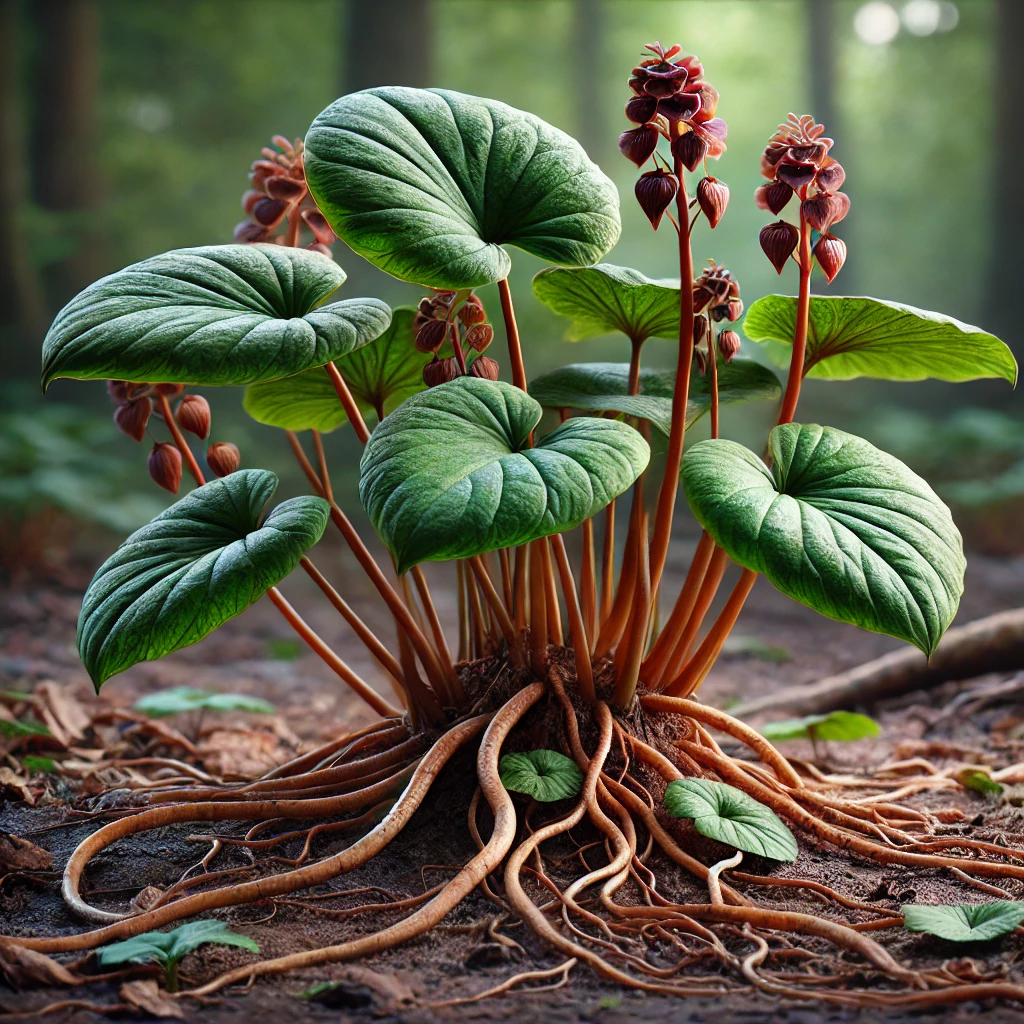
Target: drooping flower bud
(317,223)
(831,177)
(485,367)
(269,212)
(774,196)
(728,345)
(797,175)
(285,189)
(430,337)
(655,190)
(246,231)
(249,200)
(824,210)
(472,311)
(637,144)
(683,106)
(324,250)
(223,458)
(702,298)
(830,252)
(713,197)
(194,415)
(440,371)
(640,109)
(165,466)
(735,310)
(778,241)
(132,417)
(689,149)
(700,330)
(479,336)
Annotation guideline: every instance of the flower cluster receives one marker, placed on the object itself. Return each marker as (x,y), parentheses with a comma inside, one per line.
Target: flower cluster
(671,100)
(440,318)
(716,297)
(279,201)
(797,162)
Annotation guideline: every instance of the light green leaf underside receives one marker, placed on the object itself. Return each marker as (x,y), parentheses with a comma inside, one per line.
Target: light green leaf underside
(170,947)
(850,337)
(837,726)
(380,375)
(196,565)
(723,812)
(221,314)
(429,184)
(448,474)
(965,922)
(604,299)
(836,524)
(604,387)
(546,775)
(179,699)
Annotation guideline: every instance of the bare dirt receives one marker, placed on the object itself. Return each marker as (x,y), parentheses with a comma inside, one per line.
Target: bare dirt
(780,644)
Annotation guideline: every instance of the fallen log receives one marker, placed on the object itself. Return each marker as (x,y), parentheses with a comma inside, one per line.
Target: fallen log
(991,644)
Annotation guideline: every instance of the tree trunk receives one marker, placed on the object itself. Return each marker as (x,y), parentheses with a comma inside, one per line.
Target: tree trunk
(387,42)
(64,150)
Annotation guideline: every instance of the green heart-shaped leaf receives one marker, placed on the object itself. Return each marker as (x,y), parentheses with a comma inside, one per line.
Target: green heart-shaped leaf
(429,184)
(180,699)
(196,565)
(170,947)
(546,775)
(604,299)
(725,813)
(380,375)
(221,314)
(965,922)
(837,726)
(604,387)
(836,524)
(449,474)
(860,337)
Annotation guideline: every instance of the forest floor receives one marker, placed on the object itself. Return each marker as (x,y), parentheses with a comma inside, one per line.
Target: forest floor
(779,643)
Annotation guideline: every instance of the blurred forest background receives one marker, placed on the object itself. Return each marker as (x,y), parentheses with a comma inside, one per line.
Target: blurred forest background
(128,129)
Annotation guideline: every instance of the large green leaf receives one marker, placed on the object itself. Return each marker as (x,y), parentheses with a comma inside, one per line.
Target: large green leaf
(964,922)
(603,299)
(428,185)
(836,726)
(449,474)
(723,812)
(196,565)
(836,524)
(603,387)
(380,375)
(860,337)
(546,775)
(221,314)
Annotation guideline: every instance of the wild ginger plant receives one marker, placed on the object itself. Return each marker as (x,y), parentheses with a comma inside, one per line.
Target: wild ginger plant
(432,186)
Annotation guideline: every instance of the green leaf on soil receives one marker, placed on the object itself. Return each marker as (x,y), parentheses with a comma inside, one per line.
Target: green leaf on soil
(180,699)
(220,314)
(449,474)
(740,646)
(546,775)
(980,781)
(195,566)
(31,763)
(862,337)
(429,184)
(11,730)
(837,525)
(604,299)
(965,922)
(837,727)
(380,375)
(723,812)
(604,387)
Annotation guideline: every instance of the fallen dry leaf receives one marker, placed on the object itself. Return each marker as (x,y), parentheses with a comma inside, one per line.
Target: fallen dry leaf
(146,899)
(17,854)
(148,996)
(242,753)
(25,968)
(12,783)
(62,712)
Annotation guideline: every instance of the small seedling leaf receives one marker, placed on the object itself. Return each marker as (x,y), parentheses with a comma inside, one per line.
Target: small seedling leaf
(980,781)
(837,727)
(723,812)
(169,947)
(965,922)
(180,699)
(546,775)
(11,730)
(31,763)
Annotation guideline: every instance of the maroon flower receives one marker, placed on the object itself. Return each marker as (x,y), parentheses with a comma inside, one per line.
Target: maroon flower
(830,252)
(639,144)
(773,197)
(729,345)
(655,190)
(485,367)
(223,458)
(194,415)
(824,210)
(713,197)
(165,466)
(778,241)
(132,417)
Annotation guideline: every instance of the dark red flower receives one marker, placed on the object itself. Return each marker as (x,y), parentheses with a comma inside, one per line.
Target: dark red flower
(729,345)
(713,198)
(774,196)
(689,149)
(223,458)
(485,367)
(132,417)
(479,336)
(165,466)
(440,371)
(430,337)
(638,144)
(824,209)
(778,241)
(655,190)
(830,252)
(193,415)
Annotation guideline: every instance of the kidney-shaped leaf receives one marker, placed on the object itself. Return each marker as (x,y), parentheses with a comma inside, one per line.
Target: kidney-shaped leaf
(965,922)
(546,775)
(380,375)
(723,812)
(429,184)
(604,387)
(603,299)
(449,473)
(179,699)
(836,726)
(861,337)
(196,565)
(222,314)
(836,524)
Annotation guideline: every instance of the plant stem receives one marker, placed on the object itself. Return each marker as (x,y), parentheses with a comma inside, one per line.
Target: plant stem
(374,699)
(608,562)
(348,403)
(444,654)
(538,612)
(460,583)
(577,627)
(803,312)
(628,670)
(179,440)
(713,361)
(680,396)
(515,351)
(520,586)
(460,356)
(325,478)
(588,581)
(506,578)
(554,614)
(493,600)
